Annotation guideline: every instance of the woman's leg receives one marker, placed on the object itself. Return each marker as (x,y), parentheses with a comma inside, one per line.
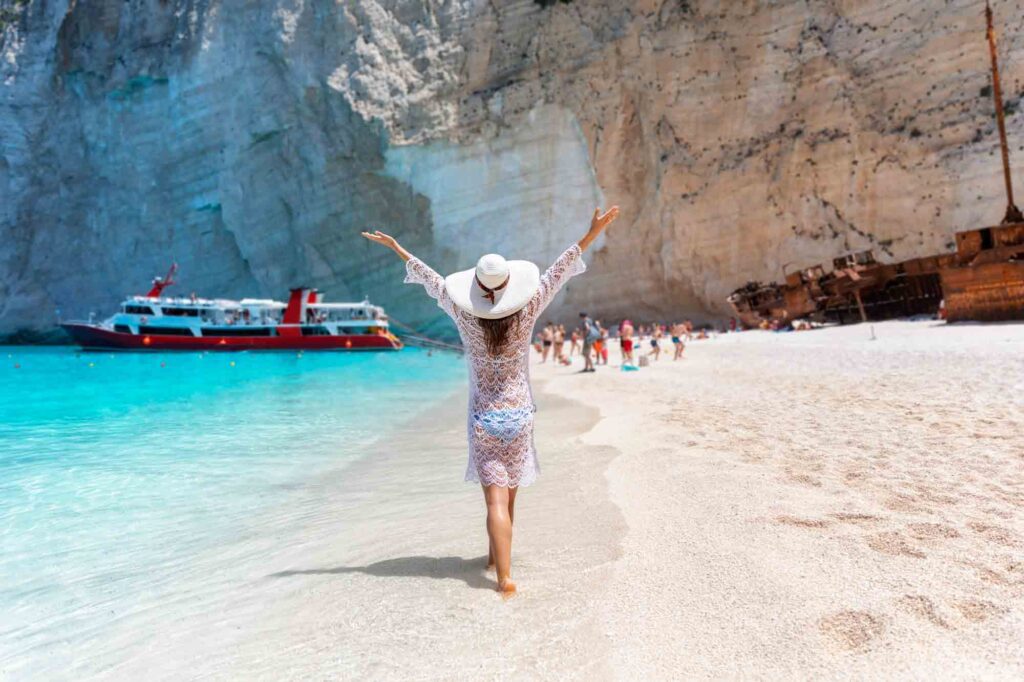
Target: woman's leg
(499,530)
(511,519)
(512,505)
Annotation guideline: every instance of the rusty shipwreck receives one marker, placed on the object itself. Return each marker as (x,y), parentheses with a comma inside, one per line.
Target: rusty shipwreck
(982,280)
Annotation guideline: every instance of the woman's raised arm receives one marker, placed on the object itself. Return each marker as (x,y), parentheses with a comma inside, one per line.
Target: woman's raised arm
(417,272)
(569,264)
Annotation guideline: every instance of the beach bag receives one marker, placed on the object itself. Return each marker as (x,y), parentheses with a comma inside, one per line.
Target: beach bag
(643,361)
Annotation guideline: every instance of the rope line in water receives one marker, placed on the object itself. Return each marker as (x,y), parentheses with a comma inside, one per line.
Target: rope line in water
(414,335)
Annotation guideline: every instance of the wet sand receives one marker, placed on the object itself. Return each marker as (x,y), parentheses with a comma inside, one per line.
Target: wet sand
(388,580)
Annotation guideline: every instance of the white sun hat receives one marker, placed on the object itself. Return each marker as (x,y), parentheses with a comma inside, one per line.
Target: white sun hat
(495,288)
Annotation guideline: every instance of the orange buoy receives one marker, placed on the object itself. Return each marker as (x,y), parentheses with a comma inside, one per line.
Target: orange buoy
(348,343)
(146,341)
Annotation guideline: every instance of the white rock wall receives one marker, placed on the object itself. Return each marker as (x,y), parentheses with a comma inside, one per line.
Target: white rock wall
(251,141)
(525,193)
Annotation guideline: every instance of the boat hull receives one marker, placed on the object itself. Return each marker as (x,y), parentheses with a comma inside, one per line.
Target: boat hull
(93,337)
(989,292)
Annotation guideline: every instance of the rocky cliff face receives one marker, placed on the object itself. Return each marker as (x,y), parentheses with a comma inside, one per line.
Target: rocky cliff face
(250,141)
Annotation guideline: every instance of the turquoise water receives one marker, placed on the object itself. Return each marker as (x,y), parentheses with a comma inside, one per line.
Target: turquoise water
(119,472)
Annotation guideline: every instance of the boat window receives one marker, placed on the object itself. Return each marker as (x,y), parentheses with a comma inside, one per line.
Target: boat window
(122,328)
(165,331)
(138,310)
(316,331)
(986,238)
(181,312)
(237,331)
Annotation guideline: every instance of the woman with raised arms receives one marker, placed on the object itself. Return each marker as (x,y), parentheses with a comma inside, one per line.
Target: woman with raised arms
(495,306)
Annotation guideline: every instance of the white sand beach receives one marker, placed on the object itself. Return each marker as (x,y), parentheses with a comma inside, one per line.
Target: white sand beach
(818,504)
(796,505)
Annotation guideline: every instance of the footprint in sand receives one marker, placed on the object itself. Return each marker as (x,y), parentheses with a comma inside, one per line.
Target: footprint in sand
(893,544)
(802,479)
(923,608)
(853,477)
(859,519)
(931,531)
(1008,571)
(902,502)
(977,610)
(801,523)
(996,534)
(852,629)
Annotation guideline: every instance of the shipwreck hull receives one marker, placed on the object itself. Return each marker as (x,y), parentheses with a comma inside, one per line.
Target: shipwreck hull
(902,296)
(985,281)
(905,289)
(989,292)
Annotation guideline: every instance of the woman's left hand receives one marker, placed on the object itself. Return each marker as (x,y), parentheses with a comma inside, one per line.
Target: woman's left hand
(599,222)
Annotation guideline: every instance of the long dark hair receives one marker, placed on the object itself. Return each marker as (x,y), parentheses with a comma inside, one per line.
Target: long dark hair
(496,331)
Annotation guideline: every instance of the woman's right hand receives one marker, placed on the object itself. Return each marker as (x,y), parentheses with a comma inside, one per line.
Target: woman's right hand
(388,241)
(381,238)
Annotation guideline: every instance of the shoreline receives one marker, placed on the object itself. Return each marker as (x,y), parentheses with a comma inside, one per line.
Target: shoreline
(774,505)
(388,578)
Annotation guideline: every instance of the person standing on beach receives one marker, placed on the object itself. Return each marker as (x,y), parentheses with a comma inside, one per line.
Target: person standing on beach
(495,307)
(655,341)
(626,342)
(558,343)
(601,345)
(590,334)
(678,330)
(575,342)
(547,336)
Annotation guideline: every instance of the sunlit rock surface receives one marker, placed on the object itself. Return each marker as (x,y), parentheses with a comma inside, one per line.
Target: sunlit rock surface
(251,141)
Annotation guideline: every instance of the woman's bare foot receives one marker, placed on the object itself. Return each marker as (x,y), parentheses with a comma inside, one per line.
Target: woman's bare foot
(506,588)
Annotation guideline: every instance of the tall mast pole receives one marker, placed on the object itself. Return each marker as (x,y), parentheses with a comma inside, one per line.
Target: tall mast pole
(1013,214)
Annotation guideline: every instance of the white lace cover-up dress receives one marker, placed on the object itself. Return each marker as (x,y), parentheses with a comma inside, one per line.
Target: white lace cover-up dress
(501,408)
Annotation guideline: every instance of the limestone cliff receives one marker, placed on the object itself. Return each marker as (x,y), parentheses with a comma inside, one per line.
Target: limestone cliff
(250,141)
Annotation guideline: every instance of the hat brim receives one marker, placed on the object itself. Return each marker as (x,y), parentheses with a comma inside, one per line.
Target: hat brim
(523,282)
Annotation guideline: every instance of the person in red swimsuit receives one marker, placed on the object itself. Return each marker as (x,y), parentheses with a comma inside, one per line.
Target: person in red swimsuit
(626,341)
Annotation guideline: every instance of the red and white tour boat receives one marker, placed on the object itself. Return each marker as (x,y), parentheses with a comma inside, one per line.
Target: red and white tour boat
(154,322)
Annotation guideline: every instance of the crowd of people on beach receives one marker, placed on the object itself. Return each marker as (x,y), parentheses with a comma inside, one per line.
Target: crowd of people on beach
(638,344)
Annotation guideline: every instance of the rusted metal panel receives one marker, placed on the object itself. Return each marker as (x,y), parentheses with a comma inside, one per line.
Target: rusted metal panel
(989,292)
(985,279)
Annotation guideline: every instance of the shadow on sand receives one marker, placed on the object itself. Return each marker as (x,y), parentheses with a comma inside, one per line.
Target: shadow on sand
(470,571)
